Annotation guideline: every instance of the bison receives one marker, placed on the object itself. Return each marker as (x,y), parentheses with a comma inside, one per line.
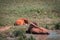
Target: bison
(34,29)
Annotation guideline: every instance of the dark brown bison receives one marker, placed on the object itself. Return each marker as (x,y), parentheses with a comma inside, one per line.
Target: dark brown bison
(36,30)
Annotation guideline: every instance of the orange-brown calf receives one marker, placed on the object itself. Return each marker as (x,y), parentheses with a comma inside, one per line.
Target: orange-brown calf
(21,21)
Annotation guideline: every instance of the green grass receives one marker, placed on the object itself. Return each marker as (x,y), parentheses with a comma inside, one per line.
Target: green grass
(41,11)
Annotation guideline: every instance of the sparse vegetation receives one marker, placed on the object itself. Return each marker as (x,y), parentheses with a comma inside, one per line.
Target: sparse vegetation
(1,24)
(46,27)
(18,33)
(21,35)
(57,26)
(2,36)
(31,38)
(39,10)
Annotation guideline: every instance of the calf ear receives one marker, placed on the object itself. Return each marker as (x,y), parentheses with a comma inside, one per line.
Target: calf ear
(26,21)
